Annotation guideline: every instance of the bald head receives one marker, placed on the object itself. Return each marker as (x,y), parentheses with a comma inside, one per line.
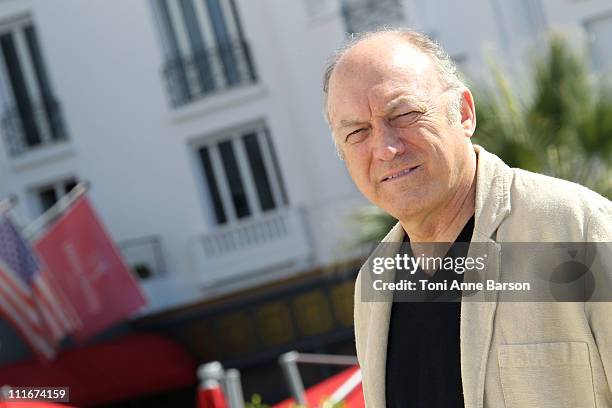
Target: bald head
(397,49)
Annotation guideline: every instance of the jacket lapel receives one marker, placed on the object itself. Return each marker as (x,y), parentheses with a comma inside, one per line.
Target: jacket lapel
(492,205)
(378,328)
(476,328)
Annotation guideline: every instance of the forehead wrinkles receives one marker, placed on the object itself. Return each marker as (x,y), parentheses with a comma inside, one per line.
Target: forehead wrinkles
(348,93)
(386,98)
(375,71)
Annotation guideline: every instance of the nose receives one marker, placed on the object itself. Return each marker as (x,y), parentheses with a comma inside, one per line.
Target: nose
(387,142)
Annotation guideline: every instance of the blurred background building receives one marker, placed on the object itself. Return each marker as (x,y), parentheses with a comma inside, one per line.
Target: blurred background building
(199,125)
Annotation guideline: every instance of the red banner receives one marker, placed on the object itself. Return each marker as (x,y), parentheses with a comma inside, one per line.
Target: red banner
(89,269)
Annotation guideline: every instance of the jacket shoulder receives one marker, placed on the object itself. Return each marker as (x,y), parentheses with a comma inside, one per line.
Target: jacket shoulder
(559,209)
(544,191)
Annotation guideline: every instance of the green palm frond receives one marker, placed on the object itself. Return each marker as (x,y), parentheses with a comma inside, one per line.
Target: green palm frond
(563,128)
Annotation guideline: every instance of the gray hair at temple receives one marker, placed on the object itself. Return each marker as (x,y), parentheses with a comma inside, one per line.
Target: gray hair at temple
(445,65)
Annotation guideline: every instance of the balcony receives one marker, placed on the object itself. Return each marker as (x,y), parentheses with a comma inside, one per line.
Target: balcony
(366,15)
(250,249)
(30,126)
(192,77)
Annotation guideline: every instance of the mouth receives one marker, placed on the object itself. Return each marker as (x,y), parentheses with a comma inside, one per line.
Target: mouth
(399,174)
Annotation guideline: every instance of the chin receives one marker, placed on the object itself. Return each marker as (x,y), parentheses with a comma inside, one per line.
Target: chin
(403,207)
(407,210)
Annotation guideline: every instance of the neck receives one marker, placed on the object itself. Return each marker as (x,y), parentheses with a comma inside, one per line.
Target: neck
(444,224)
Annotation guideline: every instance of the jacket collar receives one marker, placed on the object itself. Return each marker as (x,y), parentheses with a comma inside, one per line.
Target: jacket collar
(492,204)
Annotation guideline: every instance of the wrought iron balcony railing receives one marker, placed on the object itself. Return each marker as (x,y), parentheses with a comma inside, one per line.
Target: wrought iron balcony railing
(192,77)
(365,15)
(33,125)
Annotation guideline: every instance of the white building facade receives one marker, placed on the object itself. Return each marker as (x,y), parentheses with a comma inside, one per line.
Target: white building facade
(199,126)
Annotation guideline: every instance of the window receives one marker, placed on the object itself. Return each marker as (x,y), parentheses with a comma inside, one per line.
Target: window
(242,175)
(600,32)
(365,15)
(48,195)
(31,114)
(144,255)
(204,46)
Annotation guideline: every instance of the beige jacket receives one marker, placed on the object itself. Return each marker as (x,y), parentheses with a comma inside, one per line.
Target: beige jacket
(516,355)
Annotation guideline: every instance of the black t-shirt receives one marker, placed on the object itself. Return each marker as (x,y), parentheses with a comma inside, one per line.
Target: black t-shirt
(423,355)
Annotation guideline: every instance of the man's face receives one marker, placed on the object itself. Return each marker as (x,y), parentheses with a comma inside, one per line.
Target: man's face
(389,114)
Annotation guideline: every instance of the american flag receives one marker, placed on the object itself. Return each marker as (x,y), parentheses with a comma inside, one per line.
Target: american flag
(29,299)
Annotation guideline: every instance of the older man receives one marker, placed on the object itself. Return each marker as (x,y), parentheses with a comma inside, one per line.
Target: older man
(402,122)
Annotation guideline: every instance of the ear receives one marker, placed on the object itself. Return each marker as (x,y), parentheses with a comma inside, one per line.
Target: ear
(468,112)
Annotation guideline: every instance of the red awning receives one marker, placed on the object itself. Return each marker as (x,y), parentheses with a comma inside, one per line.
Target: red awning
(125,368)
(317,394)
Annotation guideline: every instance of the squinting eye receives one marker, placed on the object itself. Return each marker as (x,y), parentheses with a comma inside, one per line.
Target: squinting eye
(355,136)
(406,117)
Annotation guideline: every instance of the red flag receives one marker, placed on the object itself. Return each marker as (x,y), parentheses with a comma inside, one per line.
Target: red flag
(88,268)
